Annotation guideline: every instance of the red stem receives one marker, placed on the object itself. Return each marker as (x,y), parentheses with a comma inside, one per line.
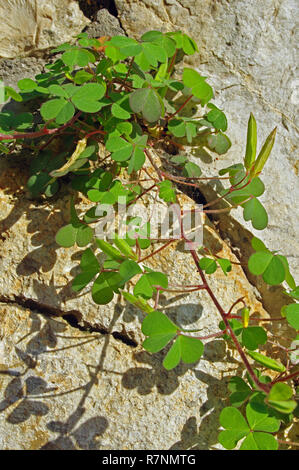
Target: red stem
(157,251)
(286,377)
(44,131)
(171,65)
(180,108)
(264,387)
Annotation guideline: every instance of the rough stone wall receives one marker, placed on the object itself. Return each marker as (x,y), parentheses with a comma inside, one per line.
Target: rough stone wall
(73,375)
(29,26)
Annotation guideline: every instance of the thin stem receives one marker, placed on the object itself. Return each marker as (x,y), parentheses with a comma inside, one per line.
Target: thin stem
(180,108)
(264,387)
(212,335)
(260,319)
(234,304)
(147,153)
(290,443)
(229,191)
(98,131)
(171,65)
(44,131)
(142,194)
(157,251)
(286,377)
(226,209)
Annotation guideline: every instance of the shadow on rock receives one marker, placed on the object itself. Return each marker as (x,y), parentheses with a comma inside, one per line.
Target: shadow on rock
(144,379)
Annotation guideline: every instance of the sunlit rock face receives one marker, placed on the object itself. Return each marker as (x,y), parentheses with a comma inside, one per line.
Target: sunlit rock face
(30,26)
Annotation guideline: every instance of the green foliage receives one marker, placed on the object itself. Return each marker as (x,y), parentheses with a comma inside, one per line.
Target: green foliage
(251,143)
(267,361)
(292,315)
(148,282)
(209,265)
(249,336)
(167,192)
(198,85)
(246,191)
(280,398)
(110,105)
(160,331)
(75,232)
(273,268)
(256,430)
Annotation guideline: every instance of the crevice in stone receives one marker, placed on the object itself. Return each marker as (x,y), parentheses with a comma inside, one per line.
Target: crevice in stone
(239,239)
(124,339)
(90,8)
(72,317)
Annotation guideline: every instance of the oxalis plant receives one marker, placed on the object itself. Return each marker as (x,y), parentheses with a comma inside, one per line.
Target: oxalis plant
(124,96)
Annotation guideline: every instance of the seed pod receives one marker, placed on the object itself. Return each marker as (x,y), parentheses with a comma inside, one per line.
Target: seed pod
(245,317)
(251,142)
(81,145)
(138,302)
(110,250)
(264,153)
(124,247)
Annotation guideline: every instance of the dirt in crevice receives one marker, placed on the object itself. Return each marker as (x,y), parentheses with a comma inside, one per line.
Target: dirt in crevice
(73,317)
(91,7)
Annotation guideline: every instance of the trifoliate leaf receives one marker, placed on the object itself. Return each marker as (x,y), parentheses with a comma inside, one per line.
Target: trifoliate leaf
(147,102)
(269,265)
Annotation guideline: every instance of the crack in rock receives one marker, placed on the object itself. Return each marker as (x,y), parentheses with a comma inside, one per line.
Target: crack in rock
(72,317)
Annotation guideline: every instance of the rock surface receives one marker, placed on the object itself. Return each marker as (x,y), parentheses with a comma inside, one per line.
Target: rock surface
(104,25)
(31,27)
(114,395)
(249,52)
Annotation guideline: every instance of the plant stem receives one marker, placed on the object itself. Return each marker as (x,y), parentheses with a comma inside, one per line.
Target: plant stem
(286,377)
(264,387)
(44,131)
(180,108)
(157,251)
(171,65)
(147,153)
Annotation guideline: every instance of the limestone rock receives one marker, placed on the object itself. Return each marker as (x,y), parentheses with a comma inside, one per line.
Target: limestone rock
(67,389)
(30,26)
(104,25)
(40,272)
(249,53)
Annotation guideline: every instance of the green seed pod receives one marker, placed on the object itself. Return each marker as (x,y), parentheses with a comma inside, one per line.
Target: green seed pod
(245,316)
(138,302)
(110,250)
(124,247)
(251,142)
(264,153)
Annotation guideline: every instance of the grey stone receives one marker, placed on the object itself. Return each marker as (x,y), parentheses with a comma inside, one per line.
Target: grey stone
(67,389)
(105,25)
(31,27)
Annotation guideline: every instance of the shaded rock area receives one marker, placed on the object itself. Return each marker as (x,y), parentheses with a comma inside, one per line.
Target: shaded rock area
(104,25)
